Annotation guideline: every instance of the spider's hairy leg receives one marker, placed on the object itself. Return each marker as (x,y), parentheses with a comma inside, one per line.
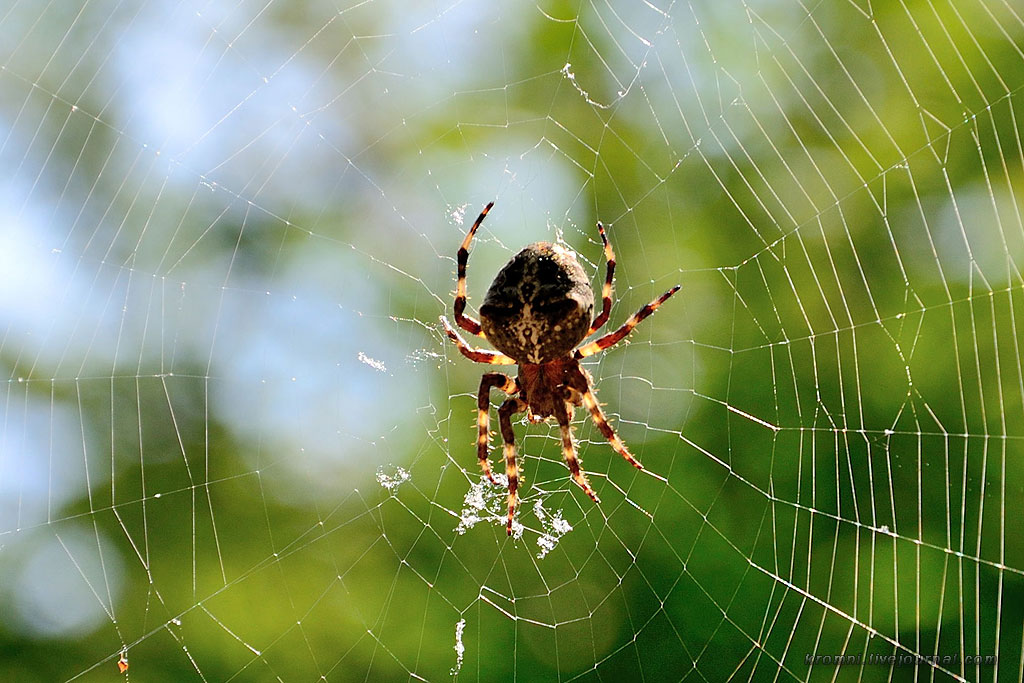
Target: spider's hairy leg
(464,321)
(475,355)
(618,335)
(483,404)
(510,407)
(606,292)
(569,452)
(581,383)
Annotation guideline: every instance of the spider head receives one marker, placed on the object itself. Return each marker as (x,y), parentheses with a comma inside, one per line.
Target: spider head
(539,306)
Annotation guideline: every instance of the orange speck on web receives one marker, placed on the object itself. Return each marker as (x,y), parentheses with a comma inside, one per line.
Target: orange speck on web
(122,664)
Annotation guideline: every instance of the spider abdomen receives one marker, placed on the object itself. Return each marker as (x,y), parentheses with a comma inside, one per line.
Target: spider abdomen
(539,306)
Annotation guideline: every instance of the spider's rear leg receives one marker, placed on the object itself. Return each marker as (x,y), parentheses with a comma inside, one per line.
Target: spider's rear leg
(510,407)
(569,452)
(483,404)
(475,355)
(606,292)
(464,321)
(615,337)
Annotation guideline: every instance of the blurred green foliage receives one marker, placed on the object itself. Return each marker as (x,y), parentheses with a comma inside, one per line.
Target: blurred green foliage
(233,215)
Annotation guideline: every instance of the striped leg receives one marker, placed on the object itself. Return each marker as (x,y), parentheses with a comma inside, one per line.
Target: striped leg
(569,453)
(510,407)
(483,404)
(580,381)
(475,355)
(606,292)
(615,337)
(464,321)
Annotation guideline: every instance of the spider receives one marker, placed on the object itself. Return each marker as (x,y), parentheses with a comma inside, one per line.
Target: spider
(535,313)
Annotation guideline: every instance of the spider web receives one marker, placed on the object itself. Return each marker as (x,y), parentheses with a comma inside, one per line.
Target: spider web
(234,444)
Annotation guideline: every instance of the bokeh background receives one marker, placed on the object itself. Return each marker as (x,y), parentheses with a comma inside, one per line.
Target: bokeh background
(234,444)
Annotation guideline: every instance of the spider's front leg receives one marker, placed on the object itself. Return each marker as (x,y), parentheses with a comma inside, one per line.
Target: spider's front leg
(569,451)
(483,404)
(580,381)
(510,407)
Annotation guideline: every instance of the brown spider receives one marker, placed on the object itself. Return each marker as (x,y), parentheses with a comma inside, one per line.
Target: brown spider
(535,313)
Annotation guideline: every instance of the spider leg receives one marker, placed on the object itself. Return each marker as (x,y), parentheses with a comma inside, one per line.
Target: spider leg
(483,404)
(569,452)
(615,337)
(475,355)
(464,321)
(606,292)
(510,407)
(581,382)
